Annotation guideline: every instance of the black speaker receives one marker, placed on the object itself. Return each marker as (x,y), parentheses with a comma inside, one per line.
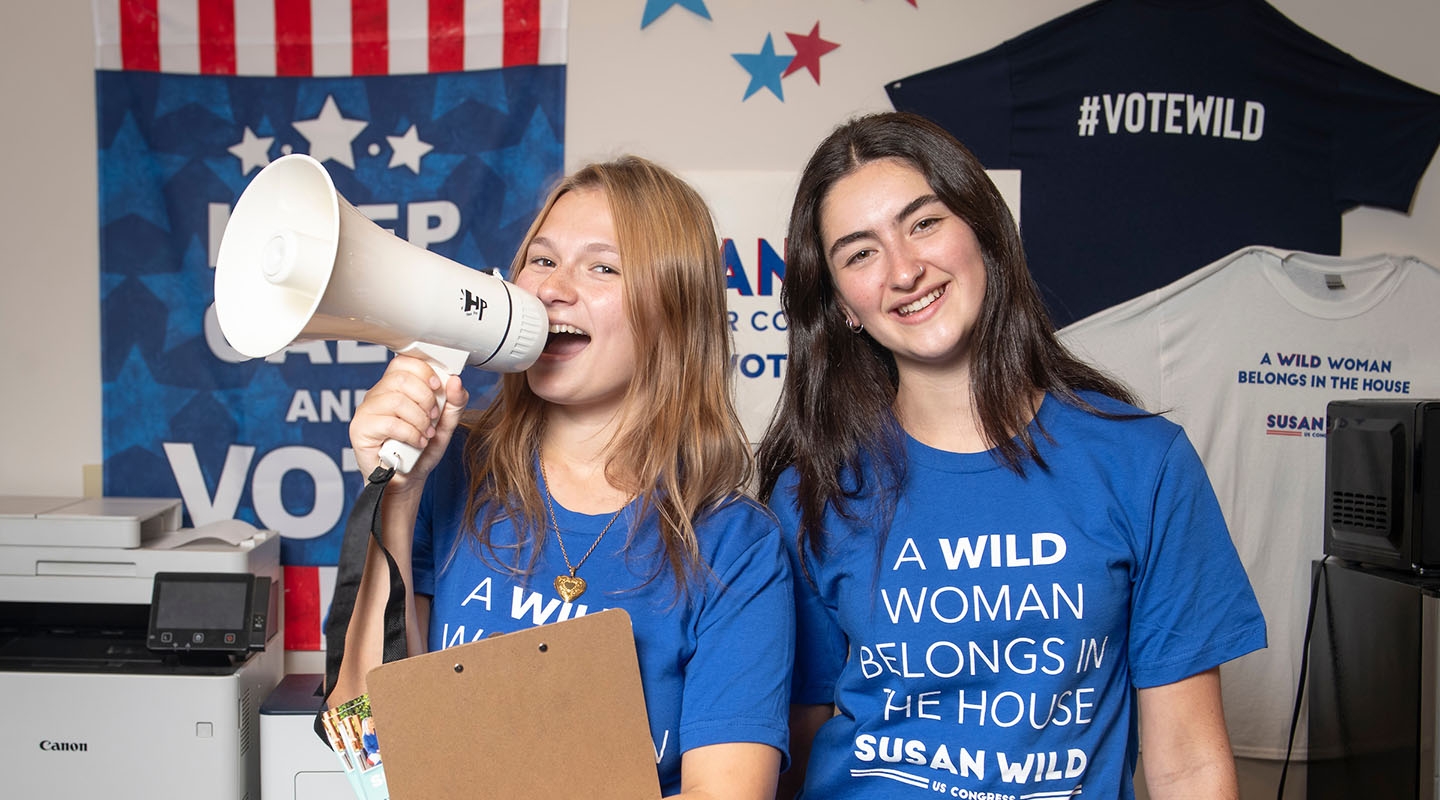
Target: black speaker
(1382,483)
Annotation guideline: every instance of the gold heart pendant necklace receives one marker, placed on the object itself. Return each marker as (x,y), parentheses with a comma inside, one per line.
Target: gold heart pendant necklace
(571,586)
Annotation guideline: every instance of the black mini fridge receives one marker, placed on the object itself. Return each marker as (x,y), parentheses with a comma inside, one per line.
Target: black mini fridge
(1372,684)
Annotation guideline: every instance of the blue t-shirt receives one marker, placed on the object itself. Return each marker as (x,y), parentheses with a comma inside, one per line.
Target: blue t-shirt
(1156,136)
(998,646)
(715,666)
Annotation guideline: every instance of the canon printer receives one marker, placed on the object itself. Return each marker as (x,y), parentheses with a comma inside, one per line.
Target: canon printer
(134,653)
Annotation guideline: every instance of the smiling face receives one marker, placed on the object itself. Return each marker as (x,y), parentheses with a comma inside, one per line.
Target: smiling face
(573,265)
(904,266)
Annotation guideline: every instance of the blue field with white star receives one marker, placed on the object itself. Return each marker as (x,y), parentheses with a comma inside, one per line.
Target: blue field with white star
(266,442)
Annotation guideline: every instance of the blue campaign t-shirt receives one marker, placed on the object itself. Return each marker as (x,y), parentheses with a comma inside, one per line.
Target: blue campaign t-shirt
(1155,136)
(715,665)
(996,648)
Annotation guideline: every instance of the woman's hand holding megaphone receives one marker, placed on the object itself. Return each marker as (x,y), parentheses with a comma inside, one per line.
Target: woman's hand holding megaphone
(404,407)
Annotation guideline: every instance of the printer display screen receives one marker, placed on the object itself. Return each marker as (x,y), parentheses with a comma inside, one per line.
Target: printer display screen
(202,605)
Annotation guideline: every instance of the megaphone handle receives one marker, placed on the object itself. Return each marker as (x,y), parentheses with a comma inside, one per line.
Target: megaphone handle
(446,361)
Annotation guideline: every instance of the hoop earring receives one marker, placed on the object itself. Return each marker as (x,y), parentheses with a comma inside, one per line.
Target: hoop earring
(855,327)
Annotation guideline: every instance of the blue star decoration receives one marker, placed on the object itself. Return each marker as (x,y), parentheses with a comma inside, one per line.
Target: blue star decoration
(139,416)
(133,177)
(654,8)
(764,68)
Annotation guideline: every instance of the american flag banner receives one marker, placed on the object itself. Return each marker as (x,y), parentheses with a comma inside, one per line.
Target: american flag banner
(441,120)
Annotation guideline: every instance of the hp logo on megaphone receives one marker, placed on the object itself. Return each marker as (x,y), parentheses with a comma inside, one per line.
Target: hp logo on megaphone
(475,305)
(299,263)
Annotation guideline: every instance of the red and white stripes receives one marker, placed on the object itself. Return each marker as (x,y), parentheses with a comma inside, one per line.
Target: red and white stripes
(308,592)
(300,38)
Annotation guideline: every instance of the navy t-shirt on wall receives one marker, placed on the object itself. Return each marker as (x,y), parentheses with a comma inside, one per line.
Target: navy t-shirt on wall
(1155,136)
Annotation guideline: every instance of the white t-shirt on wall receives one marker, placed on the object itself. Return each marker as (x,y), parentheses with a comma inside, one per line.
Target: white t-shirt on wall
(1246,353)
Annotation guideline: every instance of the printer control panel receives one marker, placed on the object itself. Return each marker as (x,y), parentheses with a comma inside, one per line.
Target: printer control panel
(217,612)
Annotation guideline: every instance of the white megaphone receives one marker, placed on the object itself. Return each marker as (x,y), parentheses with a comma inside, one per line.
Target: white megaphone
(299,263)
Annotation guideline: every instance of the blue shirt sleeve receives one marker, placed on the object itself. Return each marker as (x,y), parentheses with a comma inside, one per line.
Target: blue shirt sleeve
(1387,131)
(820,646)
(1192,604)
(736,683)
(437,521)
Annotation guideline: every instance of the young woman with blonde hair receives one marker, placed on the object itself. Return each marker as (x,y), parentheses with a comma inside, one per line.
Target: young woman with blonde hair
(611,474)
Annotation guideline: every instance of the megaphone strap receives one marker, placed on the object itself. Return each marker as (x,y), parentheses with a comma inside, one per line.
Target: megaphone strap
(362,524)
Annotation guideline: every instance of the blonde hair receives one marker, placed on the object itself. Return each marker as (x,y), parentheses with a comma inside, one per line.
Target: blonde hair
(680,446)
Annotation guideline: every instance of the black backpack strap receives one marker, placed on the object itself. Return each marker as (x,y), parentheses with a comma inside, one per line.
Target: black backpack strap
(362,525)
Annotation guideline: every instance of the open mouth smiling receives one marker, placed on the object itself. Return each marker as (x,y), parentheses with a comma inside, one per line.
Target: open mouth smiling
(922,303)
(566,339)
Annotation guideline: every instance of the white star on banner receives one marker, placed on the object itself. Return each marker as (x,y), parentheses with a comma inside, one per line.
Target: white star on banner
(330,135)
(253,151)
(408,149)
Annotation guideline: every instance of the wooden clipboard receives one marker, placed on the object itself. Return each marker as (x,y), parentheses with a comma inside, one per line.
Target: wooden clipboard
(552,711)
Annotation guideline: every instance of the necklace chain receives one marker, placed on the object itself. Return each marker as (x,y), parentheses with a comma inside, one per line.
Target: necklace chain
(550,505)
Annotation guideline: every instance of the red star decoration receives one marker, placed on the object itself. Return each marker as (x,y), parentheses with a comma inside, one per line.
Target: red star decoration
(808,50)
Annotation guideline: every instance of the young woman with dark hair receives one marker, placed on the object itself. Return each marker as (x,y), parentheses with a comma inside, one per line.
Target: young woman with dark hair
(1002,566)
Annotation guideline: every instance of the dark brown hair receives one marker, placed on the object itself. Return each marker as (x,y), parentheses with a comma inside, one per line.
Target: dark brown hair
(835,421)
